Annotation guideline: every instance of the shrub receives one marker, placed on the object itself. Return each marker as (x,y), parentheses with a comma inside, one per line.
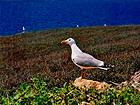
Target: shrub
(38,93)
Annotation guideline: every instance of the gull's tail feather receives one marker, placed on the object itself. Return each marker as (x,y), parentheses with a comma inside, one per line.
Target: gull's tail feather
(103,68)
(106,66)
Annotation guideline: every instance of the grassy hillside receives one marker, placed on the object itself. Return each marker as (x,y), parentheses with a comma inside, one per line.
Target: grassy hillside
(28,54)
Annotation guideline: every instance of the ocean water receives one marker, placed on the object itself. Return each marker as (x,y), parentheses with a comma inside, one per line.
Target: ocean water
(49,14)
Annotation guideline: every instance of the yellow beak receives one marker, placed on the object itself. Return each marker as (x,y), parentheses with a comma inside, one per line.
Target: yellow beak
(64,42)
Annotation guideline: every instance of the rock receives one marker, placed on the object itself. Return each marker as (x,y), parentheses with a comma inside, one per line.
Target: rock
(85,103)
(135,80)
(136,77)
(87,84)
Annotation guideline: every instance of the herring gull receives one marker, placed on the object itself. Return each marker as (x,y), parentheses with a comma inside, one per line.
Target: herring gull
(84,60)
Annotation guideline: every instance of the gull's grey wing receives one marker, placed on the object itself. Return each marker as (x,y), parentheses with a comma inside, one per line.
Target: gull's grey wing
(84,59)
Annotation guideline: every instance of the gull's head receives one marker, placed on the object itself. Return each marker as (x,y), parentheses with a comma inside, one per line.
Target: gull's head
(69,41)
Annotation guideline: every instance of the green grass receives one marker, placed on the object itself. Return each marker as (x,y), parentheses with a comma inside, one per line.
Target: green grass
(38,93)
(28,54)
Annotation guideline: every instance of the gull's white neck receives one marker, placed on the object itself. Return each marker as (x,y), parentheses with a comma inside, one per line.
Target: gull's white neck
(75,49)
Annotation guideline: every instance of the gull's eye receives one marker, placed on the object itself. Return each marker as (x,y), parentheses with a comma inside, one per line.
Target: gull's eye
(69,39)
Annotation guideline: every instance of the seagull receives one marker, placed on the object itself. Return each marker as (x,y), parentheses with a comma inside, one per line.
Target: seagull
(83,60)
(105,25)
(23,29)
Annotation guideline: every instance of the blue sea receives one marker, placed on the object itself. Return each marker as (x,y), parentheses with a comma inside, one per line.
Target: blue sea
(37,15)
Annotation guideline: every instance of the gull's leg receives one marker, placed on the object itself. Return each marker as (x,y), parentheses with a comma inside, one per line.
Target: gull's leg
(81,74)
(85,68)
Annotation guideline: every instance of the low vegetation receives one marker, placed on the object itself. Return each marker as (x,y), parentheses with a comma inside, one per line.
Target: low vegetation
(40,53)
(38,93)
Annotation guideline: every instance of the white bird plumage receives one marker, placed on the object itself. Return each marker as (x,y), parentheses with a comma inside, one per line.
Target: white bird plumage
(83,60)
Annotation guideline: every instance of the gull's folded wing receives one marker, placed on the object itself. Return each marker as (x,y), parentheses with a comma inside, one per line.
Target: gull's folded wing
(86,60)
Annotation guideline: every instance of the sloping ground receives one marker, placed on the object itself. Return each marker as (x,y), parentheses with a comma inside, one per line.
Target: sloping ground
(28,54)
